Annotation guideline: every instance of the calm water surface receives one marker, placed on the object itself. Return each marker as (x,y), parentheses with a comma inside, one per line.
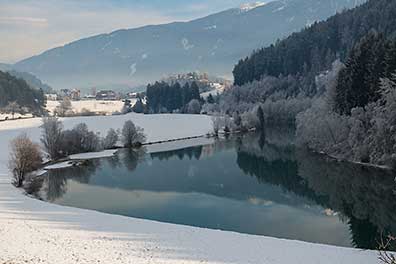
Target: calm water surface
(255,184)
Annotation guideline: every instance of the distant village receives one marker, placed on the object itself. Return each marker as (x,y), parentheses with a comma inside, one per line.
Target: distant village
(103,95)
(204,82)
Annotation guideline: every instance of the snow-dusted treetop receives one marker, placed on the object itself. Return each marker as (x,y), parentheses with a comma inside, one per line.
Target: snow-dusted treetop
(250,6)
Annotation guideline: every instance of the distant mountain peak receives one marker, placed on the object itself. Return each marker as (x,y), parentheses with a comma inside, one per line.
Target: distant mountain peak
(250,6)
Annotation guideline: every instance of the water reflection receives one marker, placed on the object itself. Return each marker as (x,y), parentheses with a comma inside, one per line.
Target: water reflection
(256,184)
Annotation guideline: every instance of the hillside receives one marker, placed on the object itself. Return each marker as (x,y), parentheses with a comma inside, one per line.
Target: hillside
(32,81)
(17,90)
(211,44)
(314,49)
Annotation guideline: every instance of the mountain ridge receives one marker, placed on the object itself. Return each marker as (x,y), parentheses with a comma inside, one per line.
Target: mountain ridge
(212,44)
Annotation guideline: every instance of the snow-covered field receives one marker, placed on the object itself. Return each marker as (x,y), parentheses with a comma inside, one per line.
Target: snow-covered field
(33,231)
(107,107)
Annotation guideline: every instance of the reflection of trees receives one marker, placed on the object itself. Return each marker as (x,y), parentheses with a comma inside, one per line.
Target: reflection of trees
(53,184)
(258,144)
(192,152)
(279,172)
(131,158)
(365,195)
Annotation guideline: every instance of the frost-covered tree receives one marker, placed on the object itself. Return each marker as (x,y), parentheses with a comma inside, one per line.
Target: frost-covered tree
(51,137)
(25,157)
(217,123)
(64,108)
(194,107)
(111,139)
(79,140)
(237,121)
(132,135)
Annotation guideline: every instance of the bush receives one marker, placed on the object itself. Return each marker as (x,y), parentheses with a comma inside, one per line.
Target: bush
(25,157)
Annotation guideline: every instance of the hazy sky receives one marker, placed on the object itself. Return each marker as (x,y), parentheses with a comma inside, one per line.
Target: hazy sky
(29,27)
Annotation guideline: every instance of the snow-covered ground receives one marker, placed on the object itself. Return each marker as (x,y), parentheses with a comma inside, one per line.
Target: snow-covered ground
(107,107)
(32,231)
(4,116)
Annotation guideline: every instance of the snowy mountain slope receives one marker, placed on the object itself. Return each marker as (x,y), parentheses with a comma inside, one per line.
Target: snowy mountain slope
(211,44)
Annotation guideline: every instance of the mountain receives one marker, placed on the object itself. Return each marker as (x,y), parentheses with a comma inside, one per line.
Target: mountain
(211,44)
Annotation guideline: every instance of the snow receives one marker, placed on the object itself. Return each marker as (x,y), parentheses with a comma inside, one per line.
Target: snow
(4,116)
(217,89)
(211,27)
(93,155)
(186,44)
(60,165)
(174,145)
(33,231)
(98,106)
(250,6)
(279,9)
(82,156)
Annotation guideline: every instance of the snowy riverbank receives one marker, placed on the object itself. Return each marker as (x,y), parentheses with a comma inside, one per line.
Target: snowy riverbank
(33,231)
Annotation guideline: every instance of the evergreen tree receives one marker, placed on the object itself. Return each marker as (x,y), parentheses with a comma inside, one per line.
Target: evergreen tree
(210,99)
(358,83)
(194,91)
(260,116)
(139,106)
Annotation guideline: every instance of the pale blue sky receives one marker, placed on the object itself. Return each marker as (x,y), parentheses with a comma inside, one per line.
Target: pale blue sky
(29,27)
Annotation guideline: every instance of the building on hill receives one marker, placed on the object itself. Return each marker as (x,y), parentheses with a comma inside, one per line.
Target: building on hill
(106,95)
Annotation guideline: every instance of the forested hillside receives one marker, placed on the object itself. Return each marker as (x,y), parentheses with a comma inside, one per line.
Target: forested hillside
(336,81)
(314,49)
(17,90)
(32,81)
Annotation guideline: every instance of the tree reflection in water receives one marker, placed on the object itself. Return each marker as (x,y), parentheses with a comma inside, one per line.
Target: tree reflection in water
(363,197)
(53,184)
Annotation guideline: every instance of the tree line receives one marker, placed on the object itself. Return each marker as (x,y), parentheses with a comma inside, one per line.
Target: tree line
(58,143)
(167,98)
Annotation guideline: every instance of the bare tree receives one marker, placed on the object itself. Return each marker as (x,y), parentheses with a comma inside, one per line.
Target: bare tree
(25,157)
(79,140)
(384,256)
(132,135)
(51,136)
(110,140)
(64,108)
